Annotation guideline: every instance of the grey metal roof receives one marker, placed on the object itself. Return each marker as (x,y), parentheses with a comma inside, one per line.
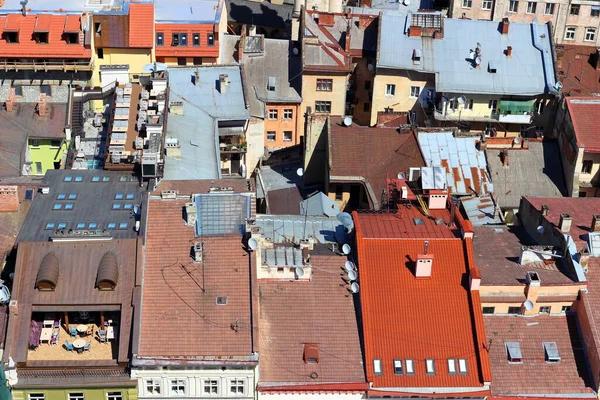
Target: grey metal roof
(222,214)
(534,172)
(319,205)
(481,210)
(291,228)
(203,106)
(466,167)
(186,11)
(260,13)
(282,257)
(87,198)
(529,71)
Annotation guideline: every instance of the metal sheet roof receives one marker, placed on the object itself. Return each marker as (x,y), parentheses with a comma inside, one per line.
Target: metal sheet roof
(222,214)
(282,257)
(481,210)
(319,205)
(292,229)
(528,72)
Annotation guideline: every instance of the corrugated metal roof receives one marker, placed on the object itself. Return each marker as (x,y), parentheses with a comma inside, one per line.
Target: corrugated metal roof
(466,167)
(282,257)
(291,229)
(523,73)
(481,210)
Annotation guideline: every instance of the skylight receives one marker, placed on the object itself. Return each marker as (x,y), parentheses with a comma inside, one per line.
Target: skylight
(92,225)
(79,179)
(57,206)
(128,206)
(119,196)
(513,352)
(410,367)
(50,225)
(80,225)
(130,196)
(111,225)
(105,178)
(123,225)
(62,225)
(377,367)
(61,196)
(95,179)
(551,350)
(123,179)
(72,196)
(69,206)
(68,178)
(116,206)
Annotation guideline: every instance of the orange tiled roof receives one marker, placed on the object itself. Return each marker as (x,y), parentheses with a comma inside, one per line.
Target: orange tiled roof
(141,25)
(56,47)
(73,23)
(418,319)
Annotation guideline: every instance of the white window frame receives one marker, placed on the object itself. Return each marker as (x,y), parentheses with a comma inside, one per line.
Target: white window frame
(237,383)
(493,105)
(467,3)
(486,4)
(414,89)
(288,114)
(409,366)
(452,366)
(462,366)
(390,89)
(272,114)
(377,367)
(597,9)
(178,383)
(291,136)
(208,384)
(76,396)
(274,136)
(514,9)
(324,103)
(551,6)
(398,368)
(590,35)
(469,105)
(531,7)
(430,366)
(570,32)
(155,385)
(114,395)
(36,396)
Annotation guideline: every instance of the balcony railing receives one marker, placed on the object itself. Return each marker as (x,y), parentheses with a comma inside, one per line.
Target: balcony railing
(46,65)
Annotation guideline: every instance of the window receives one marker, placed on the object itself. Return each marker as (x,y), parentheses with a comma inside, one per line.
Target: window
(127,206)
(493,105)
(76,396)
(324,85)
(40,37)
(390,90)
(153,387)
(322,106)
(549,9)
(467,3)
(454,104)
(122,179)
(586,167)
(98,28)
(545,310)
(18,91)
(67,178)
(339,193)
(565,309)
(69,206)
(272,114)
(197,60)
(410,367)
(45,89)
(211,387)
(196,39)
(183,39)
(114,396)
(488,310)
(469,104)
(92,225)
(175,39)
(486,5)
(57,206)
(398,370)
(130,196)
(513,6)
(221,300)
(79,179)
(595,11)
(61,225)
(590,34)
(582,194)
(288,113)
(36,396)
(35,143)
(531,7)
(123,225)
(287,136)
(574,9)
(366,107)
(271,136)
(71,37)
(61,196)
(513,352)
(50,225)
(452,366)
(462,366)
(106,179)
(119,196)
(160,39)
(551,352)
(377,367)
(111,225)
(55,143)
(414,91)
(211,39)
(237,386)
(80,225)
(178,387)
(72,196)
(100,53)
(514,310)
(116,206)
(570,33)
(367,85)
(430,366)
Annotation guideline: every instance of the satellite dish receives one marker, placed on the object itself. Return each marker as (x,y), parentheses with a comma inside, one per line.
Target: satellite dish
(370,67)
(407,3)
(299,272)
(401,175)
(252,243)
(462,99)
(352,275)
(346,249)
(295,51)
(528,305)
(478,61)
(347,121)
(299,172)
(346,220)
(354,287)
(349,266)
(540,229)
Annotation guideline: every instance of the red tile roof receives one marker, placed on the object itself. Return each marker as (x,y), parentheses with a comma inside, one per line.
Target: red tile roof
(577,71)
(180,317)
(535,376)
(203,50)
(383,155)
(585,114)
(323,314)
(407,318)
(141,25)
(73,23)
(56,47)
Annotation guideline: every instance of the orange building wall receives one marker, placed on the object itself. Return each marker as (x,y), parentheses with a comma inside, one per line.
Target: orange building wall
(280,125)
(190,50)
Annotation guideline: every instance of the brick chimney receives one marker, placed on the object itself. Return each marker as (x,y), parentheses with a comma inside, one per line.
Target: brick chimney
(509,51)
(241,44)
(504,26)
(41,106)
(474,278)
(545,210)
(415,31)
(424,263)
(595,223)
(504,157)
(10,101)
(564,223)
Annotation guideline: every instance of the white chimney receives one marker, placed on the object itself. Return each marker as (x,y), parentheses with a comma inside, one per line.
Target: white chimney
(474,278)
(197,252)
(223,83)
(564,223)
(424,263)
(191,214)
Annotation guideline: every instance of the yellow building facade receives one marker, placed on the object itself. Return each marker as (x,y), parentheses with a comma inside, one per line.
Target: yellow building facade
(324,92)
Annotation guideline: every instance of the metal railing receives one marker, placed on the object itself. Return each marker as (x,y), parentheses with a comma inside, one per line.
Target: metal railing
(46,65)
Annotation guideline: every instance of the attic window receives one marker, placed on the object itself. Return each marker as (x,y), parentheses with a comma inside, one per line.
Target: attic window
(551,352)
(311,353)
(271,84)
(71,37)
(221,300)
(10,37)
(418,221)
(513,352)
(416,57)
(41,37)
(377,367)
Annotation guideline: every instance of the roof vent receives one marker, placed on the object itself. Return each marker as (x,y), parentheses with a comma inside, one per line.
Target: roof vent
(509,51)
(311,353)
(47,276)
(108,272)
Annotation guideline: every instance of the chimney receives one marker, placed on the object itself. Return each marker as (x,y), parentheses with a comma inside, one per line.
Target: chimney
(424,263)
(504,26)
(347,39)
(24,7)
(241,44)
(595,223)
(196,78)
(415,31)
(584,258)
(252,31)
(42,105)
(564,223)
(223,83)
(504,157)
(10,101)
(532,289)
(509,51)
(191,214)
(545,210)
(198,253)
(474,278)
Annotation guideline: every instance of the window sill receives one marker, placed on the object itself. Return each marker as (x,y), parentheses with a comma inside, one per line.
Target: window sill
(466,8)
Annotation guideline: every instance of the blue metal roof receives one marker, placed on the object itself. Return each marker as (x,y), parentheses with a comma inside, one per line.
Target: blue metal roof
(529,71)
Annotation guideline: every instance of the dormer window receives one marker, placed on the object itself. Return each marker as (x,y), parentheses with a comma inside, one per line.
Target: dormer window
(71,37)
(10,37)
(311,353)
(416,56)
(551,352)
(41,37)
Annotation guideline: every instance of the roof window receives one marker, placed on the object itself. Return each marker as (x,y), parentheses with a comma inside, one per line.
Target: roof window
(61,225)
(398,370)
(93,225)
(69,206)
(79,179)
(72,196)
(122,179)
(61,196)
(430,366)
(130,196)
(123,225)
(377,370)
(462,366)
(410,367)
(119,196)
(95,179)
(128,206)
(68,178)
(57,206)
(80,225)
(116,206)
(513,352)
(111,225)
(418,221)
(452,366)
(106,179)
(311,353)
(50,225)
(551,352)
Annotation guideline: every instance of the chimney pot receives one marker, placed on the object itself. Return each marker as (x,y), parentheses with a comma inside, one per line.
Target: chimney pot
(504,26)
(509,51)
(565,223)
(545,210)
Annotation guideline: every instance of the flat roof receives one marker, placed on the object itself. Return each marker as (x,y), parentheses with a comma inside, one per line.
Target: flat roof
(530,71)
(188,11)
